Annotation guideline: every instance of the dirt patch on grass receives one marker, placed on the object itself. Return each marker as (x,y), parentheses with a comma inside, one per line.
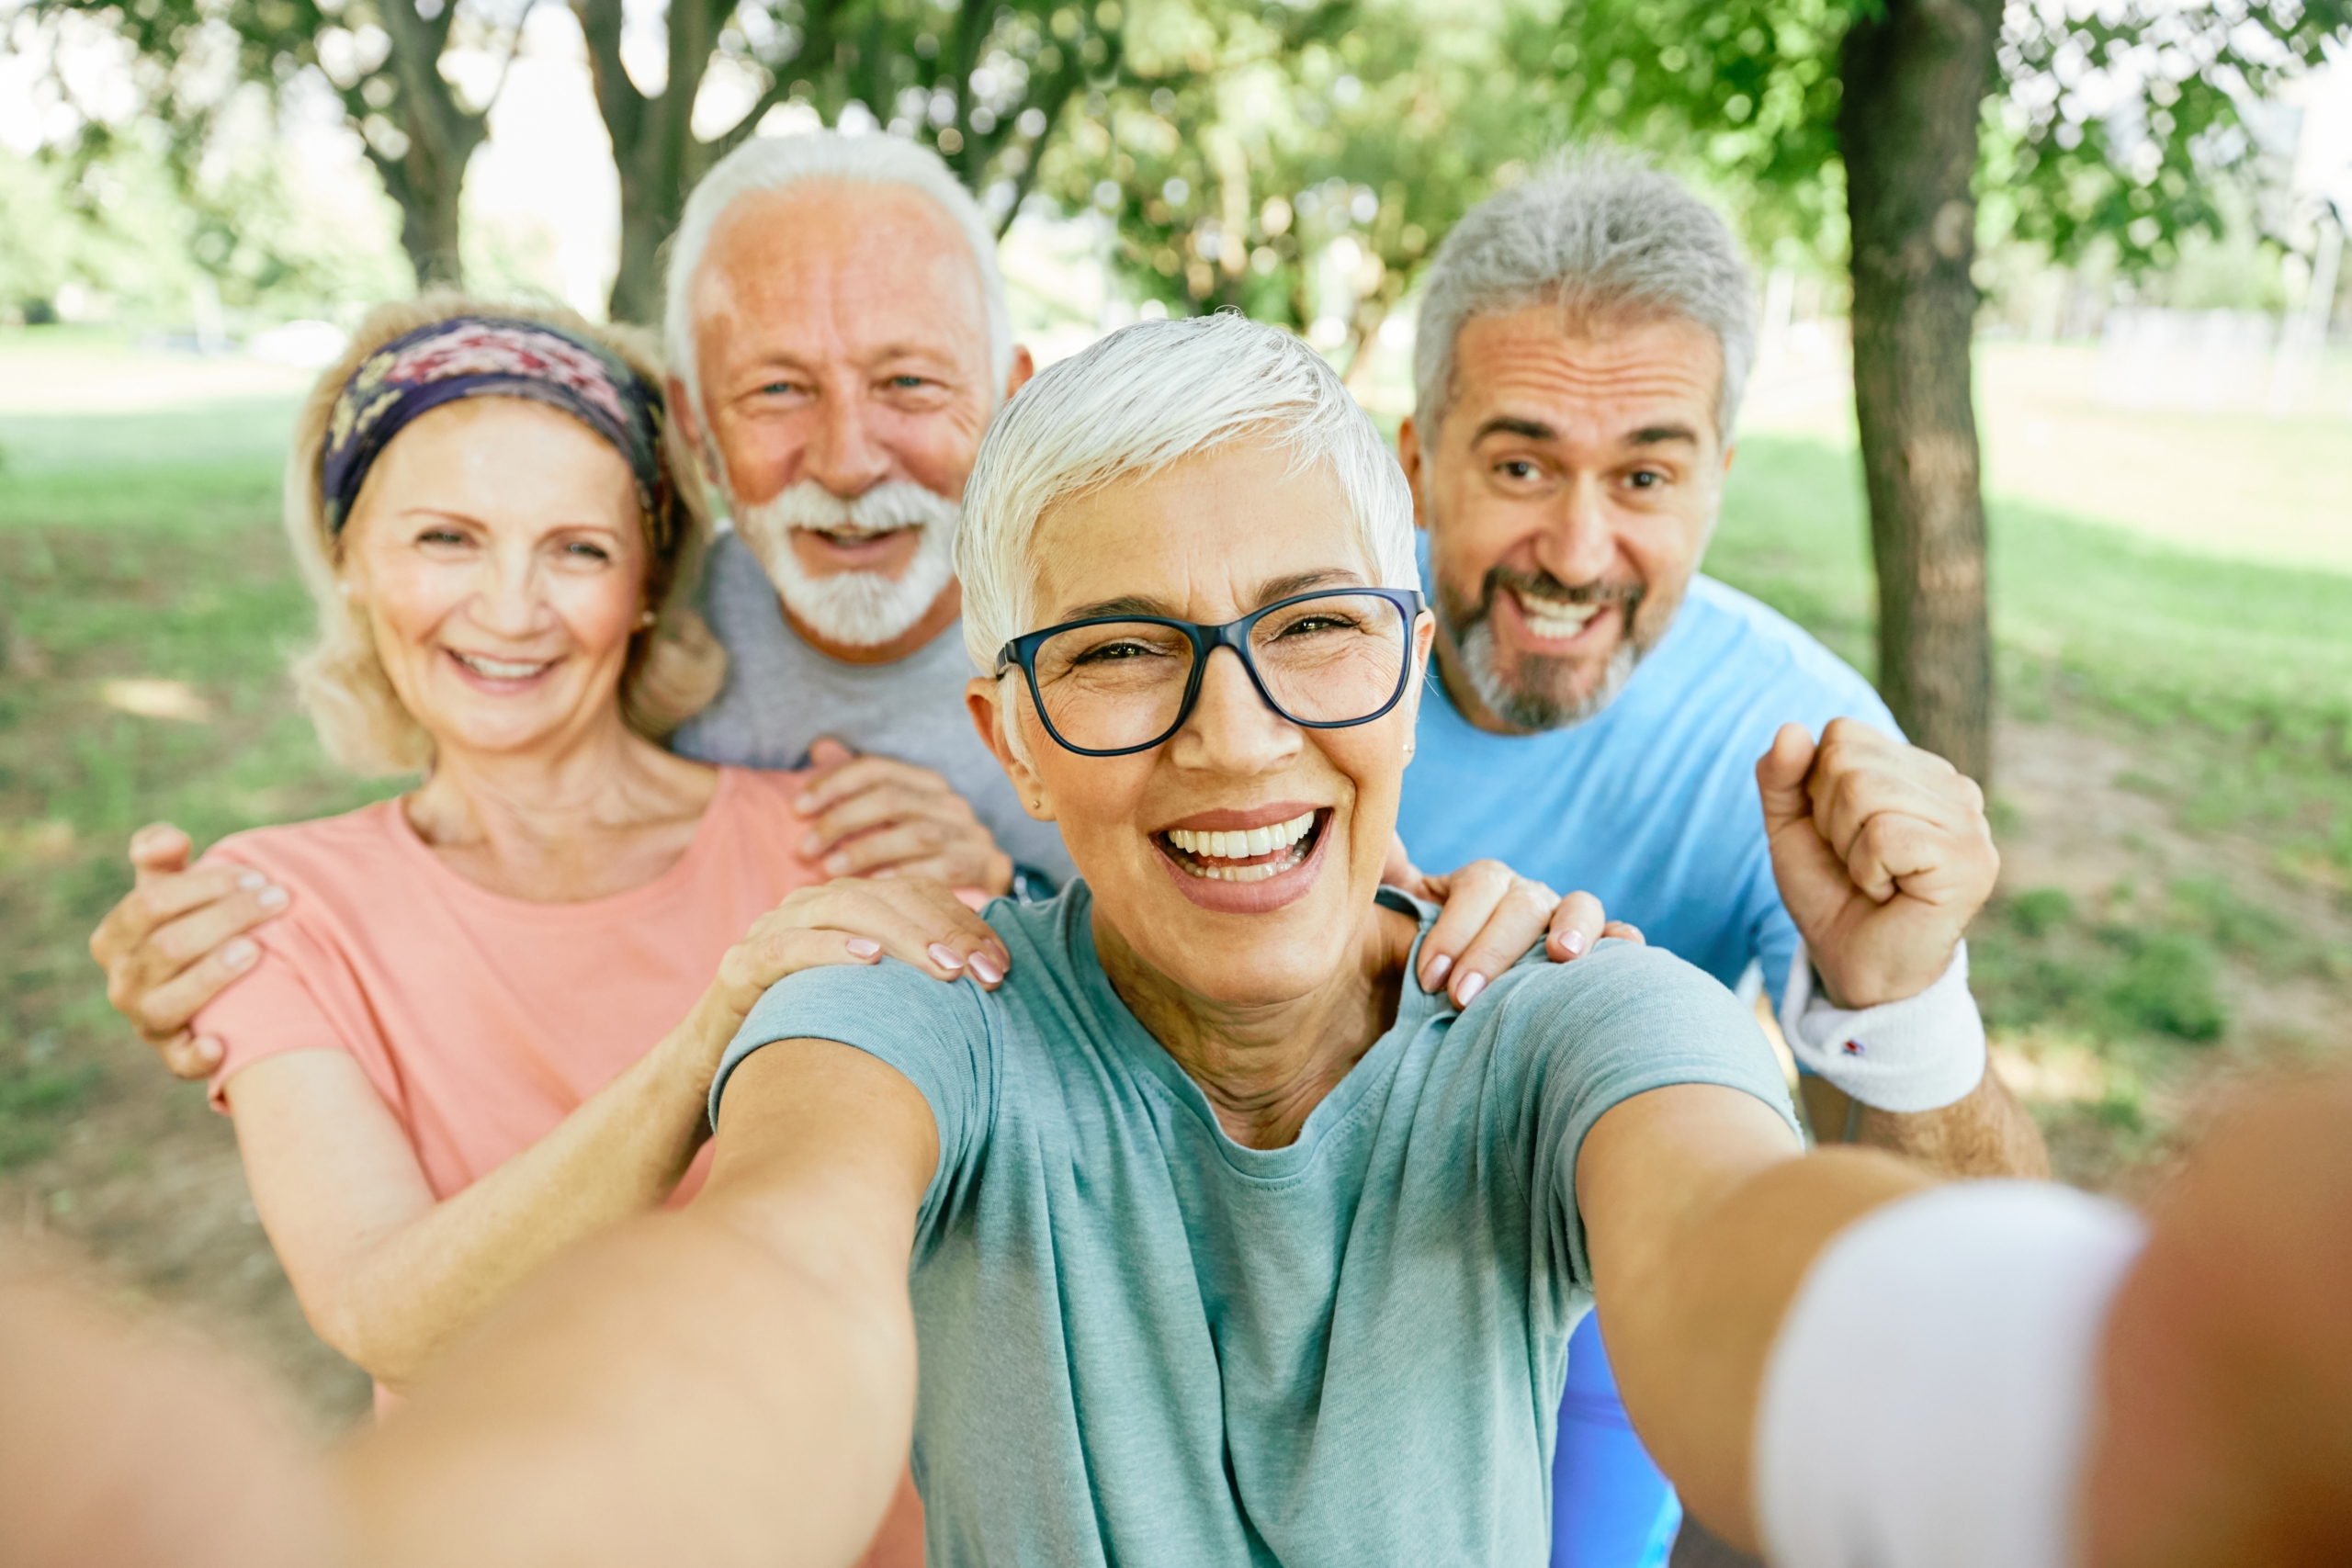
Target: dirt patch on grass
(2091,831)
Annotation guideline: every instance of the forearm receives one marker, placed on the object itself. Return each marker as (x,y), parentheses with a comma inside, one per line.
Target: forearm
(1985,1133)
(678,1391)
(401,1299)
(1691,1326)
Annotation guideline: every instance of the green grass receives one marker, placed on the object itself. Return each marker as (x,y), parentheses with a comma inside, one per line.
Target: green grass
(2235,678)
(132,546)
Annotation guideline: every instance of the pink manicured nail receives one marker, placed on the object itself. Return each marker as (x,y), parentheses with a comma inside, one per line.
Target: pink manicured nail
(1439,968)
(811,843)
(945,956)
(237,953)
(1467,992)
(252,880)
(985,969)
(863,947)
(837,866)
(1573,941)
(271,898)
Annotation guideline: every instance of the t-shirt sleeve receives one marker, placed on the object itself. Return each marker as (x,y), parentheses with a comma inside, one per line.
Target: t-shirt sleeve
(280,1005)
(934,1032)
(1619,1022)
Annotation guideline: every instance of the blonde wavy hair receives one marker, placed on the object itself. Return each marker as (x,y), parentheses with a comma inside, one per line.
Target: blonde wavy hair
(674,667)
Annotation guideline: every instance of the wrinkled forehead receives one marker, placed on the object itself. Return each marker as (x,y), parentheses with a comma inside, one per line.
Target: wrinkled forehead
(844,257)
(1209,537)
(1602,375)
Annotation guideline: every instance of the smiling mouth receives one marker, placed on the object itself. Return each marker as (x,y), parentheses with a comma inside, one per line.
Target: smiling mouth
(1554,620)
(851,537)
(1246,854)
(502,668)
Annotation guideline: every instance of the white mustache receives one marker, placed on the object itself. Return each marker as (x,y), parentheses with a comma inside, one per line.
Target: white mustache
(885,509)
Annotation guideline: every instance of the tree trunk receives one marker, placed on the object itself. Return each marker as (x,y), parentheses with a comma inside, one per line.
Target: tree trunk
(654,147)
(429,184)
(1914,79)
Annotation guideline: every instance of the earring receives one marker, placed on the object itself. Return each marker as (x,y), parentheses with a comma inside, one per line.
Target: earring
(647,618)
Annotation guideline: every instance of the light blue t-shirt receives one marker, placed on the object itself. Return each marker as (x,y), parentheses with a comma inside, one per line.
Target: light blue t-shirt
(1650,805)
(1142,1343)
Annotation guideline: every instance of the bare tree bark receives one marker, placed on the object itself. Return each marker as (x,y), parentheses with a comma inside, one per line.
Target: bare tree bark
(1915,77)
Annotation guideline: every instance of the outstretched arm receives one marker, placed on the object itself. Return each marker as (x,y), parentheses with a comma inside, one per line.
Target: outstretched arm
(730,1384)
(1701,1216)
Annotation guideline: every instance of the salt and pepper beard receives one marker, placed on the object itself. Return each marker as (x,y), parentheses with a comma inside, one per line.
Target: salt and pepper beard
(857,609)
(1528,698)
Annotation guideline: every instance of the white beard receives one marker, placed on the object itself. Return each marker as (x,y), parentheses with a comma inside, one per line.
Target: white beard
(859,609)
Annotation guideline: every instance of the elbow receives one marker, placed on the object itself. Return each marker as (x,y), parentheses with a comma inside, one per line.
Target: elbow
(360,1338)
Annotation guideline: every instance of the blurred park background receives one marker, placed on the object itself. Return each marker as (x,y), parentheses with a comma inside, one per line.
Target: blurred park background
(199,197)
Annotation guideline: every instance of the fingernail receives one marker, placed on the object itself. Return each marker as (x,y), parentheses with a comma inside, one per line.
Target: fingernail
(1439,968)
(804,804)
(811,843)
(238,953)
(208,1049)
(945,956)
(1573,942)
(271,898)
(1467,992)
(837,866)
(252,880)
(863,947)
(985,968)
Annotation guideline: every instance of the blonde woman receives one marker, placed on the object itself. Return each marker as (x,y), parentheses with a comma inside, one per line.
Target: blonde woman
(486,1021)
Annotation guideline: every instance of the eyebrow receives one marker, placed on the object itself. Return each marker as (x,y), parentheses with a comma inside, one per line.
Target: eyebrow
(1271,590)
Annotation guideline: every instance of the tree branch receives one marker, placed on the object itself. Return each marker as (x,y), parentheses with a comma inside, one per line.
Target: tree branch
(513,48)
(618,99)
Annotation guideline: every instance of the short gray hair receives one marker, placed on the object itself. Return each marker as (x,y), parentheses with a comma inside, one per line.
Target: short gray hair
(774,163)
(1602,236)
(1140,400)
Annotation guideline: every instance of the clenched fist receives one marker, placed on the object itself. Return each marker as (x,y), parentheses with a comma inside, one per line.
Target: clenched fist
(1883,855)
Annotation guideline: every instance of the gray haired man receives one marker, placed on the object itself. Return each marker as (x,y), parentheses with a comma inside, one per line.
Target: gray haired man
(1584,341)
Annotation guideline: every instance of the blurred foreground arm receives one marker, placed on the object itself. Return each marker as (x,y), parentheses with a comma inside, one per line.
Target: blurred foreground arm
(136,1447)
(2193,1377)
(730,1384)
(1884,855)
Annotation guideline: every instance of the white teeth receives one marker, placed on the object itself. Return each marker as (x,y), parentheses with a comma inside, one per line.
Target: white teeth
(501,668)
(1553,618)
(1241,843)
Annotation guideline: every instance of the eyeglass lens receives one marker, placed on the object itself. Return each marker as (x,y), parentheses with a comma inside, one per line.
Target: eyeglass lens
(1337,658)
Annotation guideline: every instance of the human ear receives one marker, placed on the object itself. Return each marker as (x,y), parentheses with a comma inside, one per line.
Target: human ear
(996,709)
(1409,457)
(1024,367)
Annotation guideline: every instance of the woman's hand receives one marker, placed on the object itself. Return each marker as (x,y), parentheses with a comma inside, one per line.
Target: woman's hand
(850,921)
(1492,915)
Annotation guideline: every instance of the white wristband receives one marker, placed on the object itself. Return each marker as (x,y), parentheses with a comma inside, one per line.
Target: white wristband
(1929,1392)
(1920,1054)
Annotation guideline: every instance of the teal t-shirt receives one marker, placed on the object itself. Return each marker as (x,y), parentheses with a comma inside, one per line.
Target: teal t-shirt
(1142,1343)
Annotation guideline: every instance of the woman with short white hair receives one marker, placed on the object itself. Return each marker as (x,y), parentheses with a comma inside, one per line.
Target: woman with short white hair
(1229,1243)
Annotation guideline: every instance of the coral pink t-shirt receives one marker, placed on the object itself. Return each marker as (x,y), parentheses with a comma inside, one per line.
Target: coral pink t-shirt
(484,1020)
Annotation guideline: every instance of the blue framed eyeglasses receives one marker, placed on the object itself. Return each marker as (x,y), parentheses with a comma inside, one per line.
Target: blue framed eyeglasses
(1110,685)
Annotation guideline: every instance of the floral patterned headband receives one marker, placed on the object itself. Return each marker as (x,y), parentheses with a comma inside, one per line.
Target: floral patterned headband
(488,357)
